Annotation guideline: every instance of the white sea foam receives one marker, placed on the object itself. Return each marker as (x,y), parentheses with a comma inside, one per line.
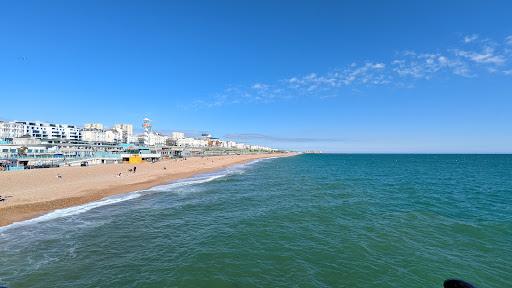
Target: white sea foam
(66,212)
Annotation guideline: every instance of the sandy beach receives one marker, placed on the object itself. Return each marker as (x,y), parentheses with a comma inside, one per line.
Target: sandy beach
(30,193)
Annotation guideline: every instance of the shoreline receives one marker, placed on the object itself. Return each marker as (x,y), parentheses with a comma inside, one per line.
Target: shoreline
(33,193)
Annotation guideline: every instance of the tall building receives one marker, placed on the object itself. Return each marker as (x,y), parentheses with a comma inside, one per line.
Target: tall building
(191,142)
(146,138)
(155,139)
(126,131)
(43,130)
(93,135)
(113,136)
(177,135)
(10,130)
(98,126)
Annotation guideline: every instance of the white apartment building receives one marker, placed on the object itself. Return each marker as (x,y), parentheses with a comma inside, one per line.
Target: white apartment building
(260,148)
(93,135)
(43,130)
(97,135)
(98,126)
(131,139)
(177,135)
(228,144)
(10,130)
(126,131)
(191,142)
(154,139)
(241,146)
(113,136)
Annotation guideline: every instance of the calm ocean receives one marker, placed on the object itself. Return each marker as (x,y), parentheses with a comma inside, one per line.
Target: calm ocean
(305,221)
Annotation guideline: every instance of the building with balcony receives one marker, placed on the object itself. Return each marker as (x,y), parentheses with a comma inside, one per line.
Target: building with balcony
(42,130)
(10,130)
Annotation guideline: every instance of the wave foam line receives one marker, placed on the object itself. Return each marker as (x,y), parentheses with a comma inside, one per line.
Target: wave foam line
(66,212)
(75,210)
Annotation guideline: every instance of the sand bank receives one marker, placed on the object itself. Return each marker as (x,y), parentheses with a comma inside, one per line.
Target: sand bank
(31,193)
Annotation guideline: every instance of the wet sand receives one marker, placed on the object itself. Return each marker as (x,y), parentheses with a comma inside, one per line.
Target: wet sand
(31,193)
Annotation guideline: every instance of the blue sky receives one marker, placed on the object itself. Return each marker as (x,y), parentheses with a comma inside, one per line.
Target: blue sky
(340,76)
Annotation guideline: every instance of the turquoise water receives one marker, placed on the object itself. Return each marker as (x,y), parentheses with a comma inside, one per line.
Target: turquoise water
(305,221)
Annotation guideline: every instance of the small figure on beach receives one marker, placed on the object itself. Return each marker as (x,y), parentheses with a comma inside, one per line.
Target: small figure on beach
(119,175)
(134,169)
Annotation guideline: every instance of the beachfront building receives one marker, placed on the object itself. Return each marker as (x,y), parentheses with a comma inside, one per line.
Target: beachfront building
(191,142)
(93,135)
(10,130)
(155,139)
(42,130)
(228,144)
(11,151)
(100,135)
(214,142)
(113,136)
(136,154)
(126,131)
(177,135)
(174,137)
(260,148)
(132,139)
(151,138)
(97,126)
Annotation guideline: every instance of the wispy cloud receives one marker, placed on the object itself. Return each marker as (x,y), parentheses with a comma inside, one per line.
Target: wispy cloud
(256,136)
(487,55)
(472,57)
(426,65)
(470,38)
(508,40)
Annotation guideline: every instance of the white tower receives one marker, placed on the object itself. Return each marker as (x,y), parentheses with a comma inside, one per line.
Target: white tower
(146,125)
(147,130)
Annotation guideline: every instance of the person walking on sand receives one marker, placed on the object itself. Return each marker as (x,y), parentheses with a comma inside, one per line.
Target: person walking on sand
(134,169)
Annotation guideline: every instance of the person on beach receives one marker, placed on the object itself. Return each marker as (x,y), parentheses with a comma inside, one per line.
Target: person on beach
(134,169)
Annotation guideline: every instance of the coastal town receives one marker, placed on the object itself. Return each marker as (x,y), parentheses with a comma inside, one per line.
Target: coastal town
(35,144)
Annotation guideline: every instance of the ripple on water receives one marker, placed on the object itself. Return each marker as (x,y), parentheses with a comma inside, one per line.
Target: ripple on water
(305,221)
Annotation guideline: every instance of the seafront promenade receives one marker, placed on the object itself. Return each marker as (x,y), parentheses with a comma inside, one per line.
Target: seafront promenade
(30,193)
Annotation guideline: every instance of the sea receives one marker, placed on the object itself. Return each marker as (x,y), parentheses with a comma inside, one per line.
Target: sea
(312,220)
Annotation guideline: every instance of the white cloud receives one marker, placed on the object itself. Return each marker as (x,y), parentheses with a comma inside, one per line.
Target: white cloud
(486,56)
(426,65)
(481,56)
(470,38)
(508,40)
(259,86)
